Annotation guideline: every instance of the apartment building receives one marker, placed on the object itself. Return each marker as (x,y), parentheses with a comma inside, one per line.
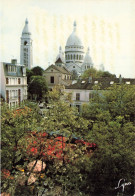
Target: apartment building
(13,83)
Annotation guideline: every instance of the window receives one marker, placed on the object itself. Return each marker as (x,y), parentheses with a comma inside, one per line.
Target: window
(7,81)
(7,96)
(111,82)
(25,43)
(127,82)
(82,82)
(73,66)
(19,81)
(77,96)
(52,79)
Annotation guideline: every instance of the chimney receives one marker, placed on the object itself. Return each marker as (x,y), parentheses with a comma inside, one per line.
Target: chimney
(120,79)
(14,61)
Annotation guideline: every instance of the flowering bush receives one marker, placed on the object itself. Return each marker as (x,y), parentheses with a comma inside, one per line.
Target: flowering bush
(55,147)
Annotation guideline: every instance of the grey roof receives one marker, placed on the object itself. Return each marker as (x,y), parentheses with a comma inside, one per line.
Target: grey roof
(18,73)
(104,83)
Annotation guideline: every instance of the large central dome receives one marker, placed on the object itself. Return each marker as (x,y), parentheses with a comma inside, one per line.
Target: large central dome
(74,52)
(73,39)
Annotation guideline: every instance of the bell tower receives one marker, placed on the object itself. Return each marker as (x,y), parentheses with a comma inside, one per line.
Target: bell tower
(26,56)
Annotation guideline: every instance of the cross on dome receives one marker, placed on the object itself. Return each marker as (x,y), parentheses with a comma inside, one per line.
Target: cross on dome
(75,25)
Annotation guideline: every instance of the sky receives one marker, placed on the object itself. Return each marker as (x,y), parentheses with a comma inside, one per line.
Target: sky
(107,27)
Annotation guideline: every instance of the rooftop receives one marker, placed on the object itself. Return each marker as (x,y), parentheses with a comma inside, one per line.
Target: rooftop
(87,84)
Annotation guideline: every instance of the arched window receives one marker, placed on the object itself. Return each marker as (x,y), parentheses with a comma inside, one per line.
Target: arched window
(68,57)
(79,57)
(25,43)
(71,56)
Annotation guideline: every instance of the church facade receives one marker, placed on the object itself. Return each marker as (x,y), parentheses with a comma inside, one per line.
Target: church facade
(74,59)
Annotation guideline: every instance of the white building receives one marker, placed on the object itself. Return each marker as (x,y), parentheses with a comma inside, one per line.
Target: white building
(13,83)
(82,91)
(75,60)
(26,53)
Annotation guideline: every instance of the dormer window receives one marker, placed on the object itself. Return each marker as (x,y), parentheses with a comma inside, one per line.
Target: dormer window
(127,82)
(112,82)
(83,82)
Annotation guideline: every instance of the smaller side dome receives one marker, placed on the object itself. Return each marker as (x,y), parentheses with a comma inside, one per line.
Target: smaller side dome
(87,58)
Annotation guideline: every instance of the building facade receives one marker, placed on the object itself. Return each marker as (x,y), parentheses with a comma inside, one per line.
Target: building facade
(26,51)
(83,90)
(13,83)
(57,75)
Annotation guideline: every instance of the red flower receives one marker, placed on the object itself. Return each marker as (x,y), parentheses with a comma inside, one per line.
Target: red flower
(34,150)
(5,173)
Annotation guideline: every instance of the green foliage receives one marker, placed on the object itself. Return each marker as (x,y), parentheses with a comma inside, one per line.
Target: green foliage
(38,87)
(96,74)
(37,71)
(15,124)
(112,127)
(108,120)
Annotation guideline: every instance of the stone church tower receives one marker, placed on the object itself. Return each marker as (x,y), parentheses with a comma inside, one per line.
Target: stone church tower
(26,56)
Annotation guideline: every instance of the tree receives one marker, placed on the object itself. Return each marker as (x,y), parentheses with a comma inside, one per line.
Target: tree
(38,87)
(15,125)
(112,128)
(96,74)
(37,71)
(59,156)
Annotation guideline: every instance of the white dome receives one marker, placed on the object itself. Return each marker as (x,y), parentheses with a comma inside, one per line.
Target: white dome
(73,39)
(87,59)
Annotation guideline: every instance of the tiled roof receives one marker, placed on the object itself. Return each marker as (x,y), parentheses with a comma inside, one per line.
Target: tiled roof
(104,83)
(60,69)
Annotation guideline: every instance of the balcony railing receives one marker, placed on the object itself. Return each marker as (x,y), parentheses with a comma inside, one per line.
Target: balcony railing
(13,97)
